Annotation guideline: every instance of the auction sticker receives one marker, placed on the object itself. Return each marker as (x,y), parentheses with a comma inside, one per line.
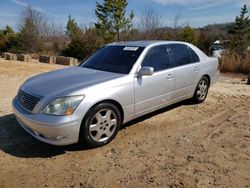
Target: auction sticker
(130,48)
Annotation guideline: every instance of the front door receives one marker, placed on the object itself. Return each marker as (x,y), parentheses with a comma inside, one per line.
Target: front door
(157,90)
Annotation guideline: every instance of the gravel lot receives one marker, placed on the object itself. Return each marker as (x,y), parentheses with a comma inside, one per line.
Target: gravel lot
(184,145)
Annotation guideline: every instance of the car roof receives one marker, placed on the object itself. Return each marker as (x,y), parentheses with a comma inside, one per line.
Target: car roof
(144,43)
(150,43)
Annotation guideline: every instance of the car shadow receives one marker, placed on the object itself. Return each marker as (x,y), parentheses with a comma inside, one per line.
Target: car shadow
(15,141)
(157,112)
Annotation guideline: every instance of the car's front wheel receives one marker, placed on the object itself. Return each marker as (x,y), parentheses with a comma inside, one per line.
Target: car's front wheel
(100,125)
(201,90)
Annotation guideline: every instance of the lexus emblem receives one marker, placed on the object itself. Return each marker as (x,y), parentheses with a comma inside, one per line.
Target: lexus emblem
(22,98)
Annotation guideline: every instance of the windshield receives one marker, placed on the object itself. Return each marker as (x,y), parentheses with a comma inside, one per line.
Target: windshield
(117,59)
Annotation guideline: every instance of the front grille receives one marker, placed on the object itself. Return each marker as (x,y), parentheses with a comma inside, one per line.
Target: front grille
(27,101)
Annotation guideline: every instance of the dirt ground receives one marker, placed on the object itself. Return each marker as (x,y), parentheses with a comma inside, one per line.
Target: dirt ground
(184,145)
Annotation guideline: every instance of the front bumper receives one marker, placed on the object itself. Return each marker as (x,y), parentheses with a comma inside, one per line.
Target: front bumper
(55,130)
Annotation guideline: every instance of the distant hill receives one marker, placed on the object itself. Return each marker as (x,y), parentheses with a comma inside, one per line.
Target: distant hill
(223,26)
(219,30)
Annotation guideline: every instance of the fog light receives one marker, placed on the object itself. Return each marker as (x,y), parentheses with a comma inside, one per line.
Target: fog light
(36,133)
(54,138)
(60,137)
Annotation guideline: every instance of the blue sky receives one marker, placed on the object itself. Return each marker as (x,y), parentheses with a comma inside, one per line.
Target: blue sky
(196,12)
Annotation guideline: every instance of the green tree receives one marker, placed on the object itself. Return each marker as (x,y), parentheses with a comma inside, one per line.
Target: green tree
(8,39)
(29,36)
(188,35)
(82,44)
(3,41)
(8,31)
(30,30)
(72,29)
(75,47)
(240,31)
(112,19)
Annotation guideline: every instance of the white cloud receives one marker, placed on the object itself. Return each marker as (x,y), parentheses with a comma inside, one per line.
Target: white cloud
(21,3)
(192,3)
(209,4)
(18,2)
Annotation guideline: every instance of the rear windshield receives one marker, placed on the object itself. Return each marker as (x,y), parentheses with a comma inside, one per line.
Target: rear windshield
(117,59)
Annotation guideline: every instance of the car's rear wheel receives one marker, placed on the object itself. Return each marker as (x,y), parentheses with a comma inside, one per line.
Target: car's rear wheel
(100,125)
(201,91)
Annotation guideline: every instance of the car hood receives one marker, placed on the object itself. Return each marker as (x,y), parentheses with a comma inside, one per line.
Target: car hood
(66,81)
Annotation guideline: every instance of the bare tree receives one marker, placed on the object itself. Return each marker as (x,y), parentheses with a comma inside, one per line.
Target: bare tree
(37,18)
(151,23)
(38,33)
(31,27)
(54,29)
(177,26)
(176,21)
(150,19)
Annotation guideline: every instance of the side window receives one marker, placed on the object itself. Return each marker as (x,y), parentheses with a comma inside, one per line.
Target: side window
(181,54)
(158,58)
(194,56)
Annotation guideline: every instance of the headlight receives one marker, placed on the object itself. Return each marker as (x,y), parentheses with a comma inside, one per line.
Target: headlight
(63,106)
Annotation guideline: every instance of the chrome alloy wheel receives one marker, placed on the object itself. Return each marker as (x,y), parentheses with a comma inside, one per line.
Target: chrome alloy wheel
(103,125)
(202,90)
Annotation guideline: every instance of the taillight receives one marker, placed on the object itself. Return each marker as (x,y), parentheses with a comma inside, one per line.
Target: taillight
(219,63)
(218,68)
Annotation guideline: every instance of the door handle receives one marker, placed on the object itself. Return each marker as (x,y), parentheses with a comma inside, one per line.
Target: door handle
(196,69)
(170,76)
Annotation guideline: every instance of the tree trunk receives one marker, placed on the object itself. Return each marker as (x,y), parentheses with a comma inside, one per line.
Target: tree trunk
(118,35)
(248,81)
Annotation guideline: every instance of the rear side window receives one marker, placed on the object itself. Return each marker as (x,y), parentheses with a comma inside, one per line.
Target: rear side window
(183,55)
(158,58)
(194,56)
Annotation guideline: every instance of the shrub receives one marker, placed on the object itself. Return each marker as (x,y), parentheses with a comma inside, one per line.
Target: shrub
(234,62)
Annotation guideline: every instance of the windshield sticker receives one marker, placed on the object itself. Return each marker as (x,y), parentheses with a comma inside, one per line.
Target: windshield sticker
(129,48)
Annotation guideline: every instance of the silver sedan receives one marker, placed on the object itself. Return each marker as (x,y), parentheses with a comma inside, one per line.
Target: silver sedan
(118,83)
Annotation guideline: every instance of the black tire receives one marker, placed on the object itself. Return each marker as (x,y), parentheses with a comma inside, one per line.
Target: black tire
(202,87)
(90,136)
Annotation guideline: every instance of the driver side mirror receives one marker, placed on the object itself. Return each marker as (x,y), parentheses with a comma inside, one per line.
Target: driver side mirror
(146,71)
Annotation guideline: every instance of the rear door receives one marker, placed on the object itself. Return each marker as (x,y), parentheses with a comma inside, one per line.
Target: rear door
(157,90)
(186,71)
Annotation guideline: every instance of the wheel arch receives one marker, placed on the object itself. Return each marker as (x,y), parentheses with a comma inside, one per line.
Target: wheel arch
(208,77)
(86,139)
(111,101)
(209,81)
